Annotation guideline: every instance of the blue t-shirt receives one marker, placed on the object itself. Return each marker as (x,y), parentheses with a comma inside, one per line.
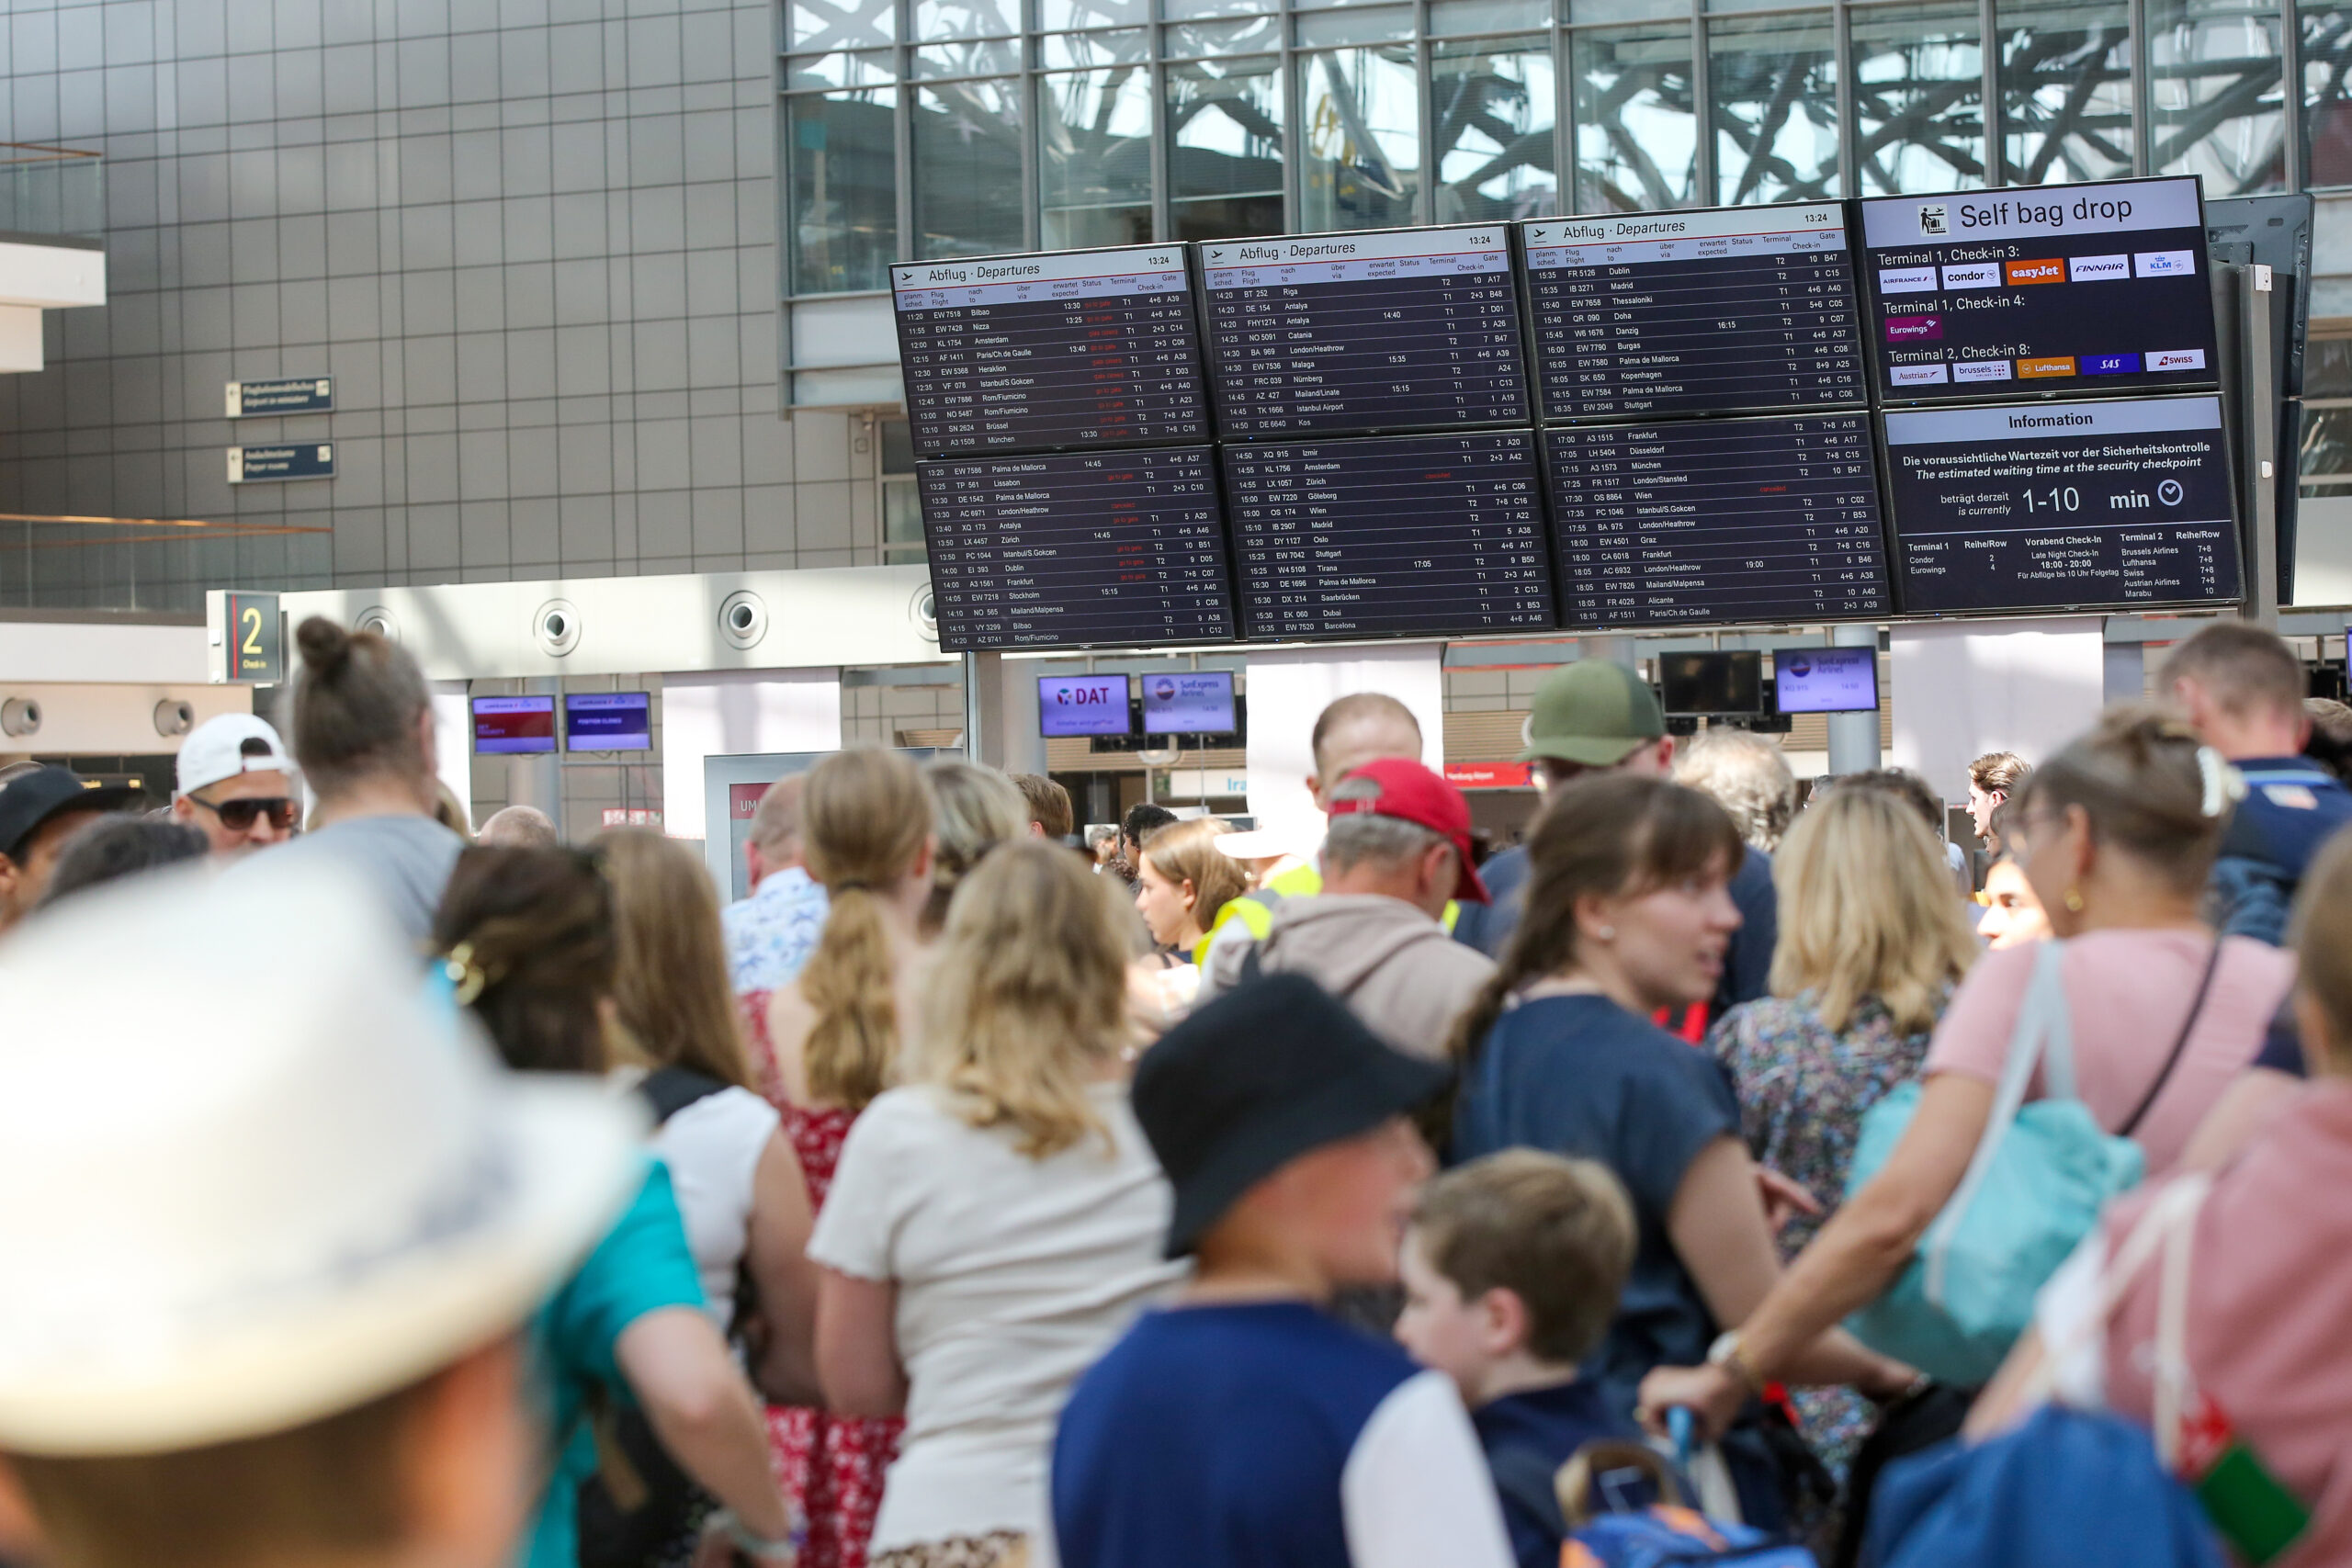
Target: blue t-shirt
(2292,807)
(641,1266)
(1747,961)
(1532,1434)
(2282,1044)
(1581,1076)
(1266,1435)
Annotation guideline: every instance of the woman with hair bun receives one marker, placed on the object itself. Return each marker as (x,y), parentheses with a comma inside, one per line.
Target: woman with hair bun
(2120,834)
(833,1040)
(363,736)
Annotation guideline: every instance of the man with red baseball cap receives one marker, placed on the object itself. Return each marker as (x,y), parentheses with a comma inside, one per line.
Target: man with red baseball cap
(1397,850)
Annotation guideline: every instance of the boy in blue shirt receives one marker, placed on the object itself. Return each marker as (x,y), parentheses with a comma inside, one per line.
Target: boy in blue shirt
(1244,1427)
(1512,1268)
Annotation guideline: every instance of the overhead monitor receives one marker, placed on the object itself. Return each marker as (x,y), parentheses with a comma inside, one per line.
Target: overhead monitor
(1084,705)
(607,721)
(513,725)
(2065,290)
(1721,521)
(1188,701)
(2122,503)
(1740,310)
(1036,353)
(1077,549)
(1825,680)
(1420,535)
(1404,329)
(1711,684)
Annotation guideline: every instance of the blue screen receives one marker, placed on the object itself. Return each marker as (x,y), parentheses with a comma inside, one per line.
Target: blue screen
(614,721)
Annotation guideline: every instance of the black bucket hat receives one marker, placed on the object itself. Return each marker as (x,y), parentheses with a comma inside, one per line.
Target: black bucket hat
(1267,1072)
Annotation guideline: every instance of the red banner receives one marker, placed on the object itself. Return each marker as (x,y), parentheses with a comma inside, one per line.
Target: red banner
(1490,775)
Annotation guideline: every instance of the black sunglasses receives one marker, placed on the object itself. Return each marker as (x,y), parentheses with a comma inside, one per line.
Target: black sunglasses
(237,816)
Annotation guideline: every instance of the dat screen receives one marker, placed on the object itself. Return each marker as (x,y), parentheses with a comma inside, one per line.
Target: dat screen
(1077,348)
(1746,310)
(1413,329)
(1732,520)
(1409,534)
(2053,506)
(2070,289)
(1076,549)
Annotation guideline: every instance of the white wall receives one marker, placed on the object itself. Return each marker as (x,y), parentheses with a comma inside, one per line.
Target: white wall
(108,720)
(729,713)
(1289,688)
(1963,690)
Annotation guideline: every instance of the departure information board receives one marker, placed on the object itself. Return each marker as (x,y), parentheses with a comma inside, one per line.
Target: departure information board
(1428,535)
(2063,289)
(1407,329)
(1742,309)
(1733,520)
(2033,506)
(1077,549)
(1077,348)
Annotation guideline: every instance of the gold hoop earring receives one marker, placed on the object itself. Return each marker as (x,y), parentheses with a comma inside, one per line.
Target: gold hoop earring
(2074,900)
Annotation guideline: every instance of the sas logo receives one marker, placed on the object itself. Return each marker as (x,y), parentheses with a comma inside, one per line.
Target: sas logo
(1935,217)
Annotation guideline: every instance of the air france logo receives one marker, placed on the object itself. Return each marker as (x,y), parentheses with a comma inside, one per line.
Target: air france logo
(1935,217)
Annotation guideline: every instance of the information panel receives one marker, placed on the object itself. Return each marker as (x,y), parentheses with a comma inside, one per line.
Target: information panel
(1077,549)
(1416,534)
(1742,309)
(2057,506)
(1407,329)
(1732,521)
(2057,288)
(1076,348)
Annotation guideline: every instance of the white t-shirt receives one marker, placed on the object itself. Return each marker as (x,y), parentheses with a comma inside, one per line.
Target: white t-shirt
(713,1150)
(1014,1274)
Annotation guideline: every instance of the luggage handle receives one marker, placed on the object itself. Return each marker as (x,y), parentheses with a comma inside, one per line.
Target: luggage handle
(1576,1479)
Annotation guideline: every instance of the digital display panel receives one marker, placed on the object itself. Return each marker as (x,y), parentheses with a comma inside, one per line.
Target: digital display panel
(1730,521)
(1407,329)
(2055,505)
(1410,534)
(2067,289)
(512,725)
(1711,682)
(1076,348)
(1188,701)
(609,721)
(1077,549)
(1084,705)
(1739,310)
(1825,680)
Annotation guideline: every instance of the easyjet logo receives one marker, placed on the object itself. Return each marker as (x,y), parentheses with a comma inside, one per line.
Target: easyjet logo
(2052,270)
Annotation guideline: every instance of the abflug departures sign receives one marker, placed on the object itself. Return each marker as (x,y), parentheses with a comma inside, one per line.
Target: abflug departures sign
(1407,329)
(1076,348)
(2040,506)
(2060,290)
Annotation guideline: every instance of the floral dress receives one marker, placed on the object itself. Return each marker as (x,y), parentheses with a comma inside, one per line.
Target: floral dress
(831,1466)
(1802,1087)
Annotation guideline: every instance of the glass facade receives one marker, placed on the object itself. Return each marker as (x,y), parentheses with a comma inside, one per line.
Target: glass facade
(914,128)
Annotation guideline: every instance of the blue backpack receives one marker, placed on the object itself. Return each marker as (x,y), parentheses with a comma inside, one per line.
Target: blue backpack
(2064,1490)
(1665,1534)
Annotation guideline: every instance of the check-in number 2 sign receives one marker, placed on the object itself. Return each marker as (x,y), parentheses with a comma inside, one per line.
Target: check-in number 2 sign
(257,638)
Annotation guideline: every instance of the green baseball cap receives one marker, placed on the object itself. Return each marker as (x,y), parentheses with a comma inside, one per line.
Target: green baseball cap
(1595,712)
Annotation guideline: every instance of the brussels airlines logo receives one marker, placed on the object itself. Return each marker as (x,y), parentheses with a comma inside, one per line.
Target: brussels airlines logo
(1935,217)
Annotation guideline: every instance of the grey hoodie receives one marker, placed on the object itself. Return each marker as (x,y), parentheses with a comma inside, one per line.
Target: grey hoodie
(1395,967)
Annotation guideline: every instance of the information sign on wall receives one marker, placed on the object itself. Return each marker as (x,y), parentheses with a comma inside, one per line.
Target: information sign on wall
(291,394)
(252,465)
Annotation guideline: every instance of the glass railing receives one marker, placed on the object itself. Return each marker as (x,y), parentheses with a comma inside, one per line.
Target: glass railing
(57,192)
(149,564)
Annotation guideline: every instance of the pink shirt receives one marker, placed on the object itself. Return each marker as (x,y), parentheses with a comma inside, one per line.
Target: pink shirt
(2271,1293)
(2128,991)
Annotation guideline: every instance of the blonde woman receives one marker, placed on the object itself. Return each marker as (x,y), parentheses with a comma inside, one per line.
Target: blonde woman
(996,1224)
(1871,943)
(976,809)
(834,1043)
(1183,880)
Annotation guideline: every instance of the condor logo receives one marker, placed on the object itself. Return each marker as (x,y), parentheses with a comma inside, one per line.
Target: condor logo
(2052,270)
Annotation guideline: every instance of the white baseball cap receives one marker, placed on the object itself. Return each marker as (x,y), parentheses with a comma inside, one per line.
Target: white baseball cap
(215,750)
(295,1183)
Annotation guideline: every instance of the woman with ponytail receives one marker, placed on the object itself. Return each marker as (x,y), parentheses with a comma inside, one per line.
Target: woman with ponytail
(978,808)
(832,1041)
(2118,833)
(1629,913)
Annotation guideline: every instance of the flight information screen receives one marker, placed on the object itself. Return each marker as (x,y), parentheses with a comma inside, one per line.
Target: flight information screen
(1428,535)
(1076,348)
(1408,329)
(2053,506)
(1746,310)
(2059,288)
(1734,520)
(1077,549)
